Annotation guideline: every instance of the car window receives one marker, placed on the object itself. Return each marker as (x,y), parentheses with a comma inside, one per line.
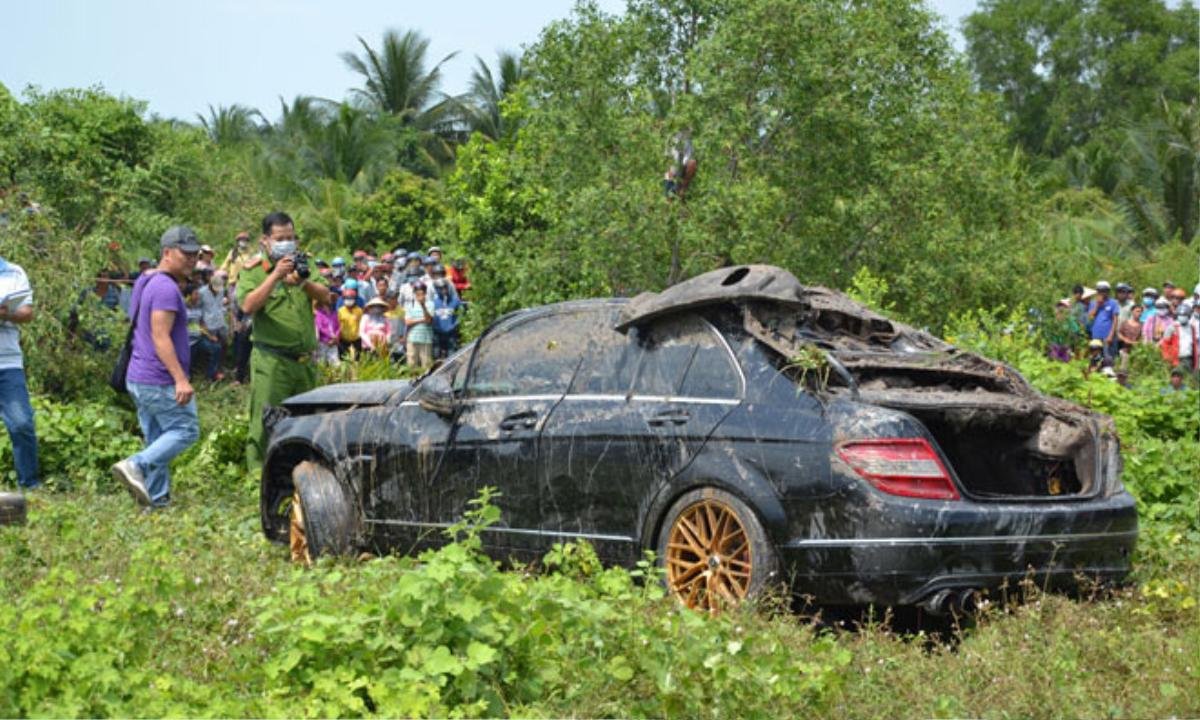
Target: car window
(684,357)
(608,357)
(533,357)
(453,369)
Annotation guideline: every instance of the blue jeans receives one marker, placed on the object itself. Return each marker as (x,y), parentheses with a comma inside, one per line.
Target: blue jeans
(169,429)
(17,414)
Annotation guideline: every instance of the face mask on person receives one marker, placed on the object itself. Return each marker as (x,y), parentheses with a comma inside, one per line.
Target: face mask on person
(218,285)
(375,312)
(1148,302)
(1164,312)
(282,248)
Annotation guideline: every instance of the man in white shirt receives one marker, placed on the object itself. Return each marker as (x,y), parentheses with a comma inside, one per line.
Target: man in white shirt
(16,308)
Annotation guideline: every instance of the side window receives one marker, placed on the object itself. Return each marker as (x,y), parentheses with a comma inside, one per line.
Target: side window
(684,357)
(534,357)
(608,357)
(455,369)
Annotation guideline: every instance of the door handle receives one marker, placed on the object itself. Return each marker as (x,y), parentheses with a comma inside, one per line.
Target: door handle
(523,420)
(669,417)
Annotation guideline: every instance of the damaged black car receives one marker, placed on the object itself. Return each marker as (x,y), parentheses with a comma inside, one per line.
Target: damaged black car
(750,430)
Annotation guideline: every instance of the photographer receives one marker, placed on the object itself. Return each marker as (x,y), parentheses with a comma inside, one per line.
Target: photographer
(273,288)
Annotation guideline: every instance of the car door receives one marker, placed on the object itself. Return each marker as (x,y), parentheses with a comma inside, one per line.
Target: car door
(641,406)
(407,444)
(520,372)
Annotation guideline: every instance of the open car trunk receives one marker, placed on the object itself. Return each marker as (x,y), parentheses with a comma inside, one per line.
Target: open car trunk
(1004,440)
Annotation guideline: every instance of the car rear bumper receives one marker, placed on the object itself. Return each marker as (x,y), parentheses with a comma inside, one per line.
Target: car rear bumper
(925,547)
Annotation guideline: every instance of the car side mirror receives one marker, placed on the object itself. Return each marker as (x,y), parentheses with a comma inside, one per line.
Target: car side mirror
(435,395)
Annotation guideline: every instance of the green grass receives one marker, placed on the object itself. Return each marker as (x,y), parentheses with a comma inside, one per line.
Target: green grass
(191,612)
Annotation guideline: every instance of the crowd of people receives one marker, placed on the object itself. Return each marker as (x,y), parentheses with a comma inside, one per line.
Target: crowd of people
(1104,324)
(402,305)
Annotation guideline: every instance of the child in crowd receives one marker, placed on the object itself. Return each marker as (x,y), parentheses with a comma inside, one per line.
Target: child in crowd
(329,332)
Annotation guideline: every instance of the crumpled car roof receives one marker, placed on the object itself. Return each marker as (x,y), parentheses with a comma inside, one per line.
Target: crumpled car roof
(853,323)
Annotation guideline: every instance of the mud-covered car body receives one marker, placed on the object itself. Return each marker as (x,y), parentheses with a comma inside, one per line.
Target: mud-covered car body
(591,418)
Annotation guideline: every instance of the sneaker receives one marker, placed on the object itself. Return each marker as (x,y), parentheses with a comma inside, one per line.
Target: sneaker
(130,475)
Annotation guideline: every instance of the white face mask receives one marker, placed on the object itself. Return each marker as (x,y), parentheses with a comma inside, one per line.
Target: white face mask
(282,248)
(218,285)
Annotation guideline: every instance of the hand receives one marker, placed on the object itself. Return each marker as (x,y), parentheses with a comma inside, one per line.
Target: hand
(284,268)
(183,392)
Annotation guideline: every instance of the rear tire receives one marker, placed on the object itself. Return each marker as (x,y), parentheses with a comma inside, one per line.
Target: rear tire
(714,551)
(323,520)
(12,509)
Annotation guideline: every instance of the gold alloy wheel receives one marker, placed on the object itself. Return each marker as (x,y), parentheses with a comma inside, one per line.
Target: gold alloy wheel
(296,537)
(708,561)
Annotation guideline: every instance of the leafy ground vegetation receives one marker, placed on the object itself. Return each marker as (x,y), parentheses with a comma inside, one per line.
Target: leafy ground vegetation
(191,612)
(848,142)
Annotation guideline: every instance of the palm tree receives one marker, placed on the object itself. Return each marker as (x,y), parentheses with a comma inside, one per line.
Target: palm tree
(397,84)
(481,106)
(230,124)
(395,80)
(1159,187)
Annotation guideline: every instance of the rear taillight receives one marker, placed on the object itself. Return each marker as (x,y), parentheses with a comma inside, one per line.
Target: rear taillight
(900,466)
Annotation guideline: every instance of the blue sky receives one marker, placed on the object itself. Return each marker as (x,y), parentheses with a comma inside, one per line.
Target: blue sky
(182,55)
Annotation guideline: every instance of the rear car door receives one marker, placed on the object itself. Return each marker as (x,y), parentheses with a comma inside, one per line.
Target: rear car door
(641,406)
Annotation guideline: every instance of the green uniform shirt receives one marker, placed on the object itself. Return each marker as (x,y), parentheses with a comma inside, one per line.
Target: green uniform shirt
(286,320)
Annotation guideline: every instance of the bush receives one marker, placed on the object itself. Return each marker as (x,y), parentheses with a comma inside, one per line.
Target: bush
(77,443)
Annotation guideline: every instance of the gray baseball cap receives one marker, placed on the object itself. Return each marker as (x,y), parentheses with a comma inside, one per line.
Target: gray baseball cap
(182,237)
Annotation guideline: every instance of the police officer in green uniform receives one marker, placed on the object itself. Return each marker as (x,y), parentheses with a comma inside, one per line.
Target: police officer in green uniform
(283,334)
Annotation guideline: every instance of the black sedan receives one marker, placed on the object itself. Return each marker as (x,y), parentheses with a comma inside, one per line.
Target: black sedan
(750,430)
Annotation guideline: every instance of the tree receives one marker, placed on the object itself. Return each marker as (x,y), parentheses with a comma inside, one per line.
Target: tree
(830,136)
(396,83)
(481,106)
(405,211)
(1068,69)
(230,124)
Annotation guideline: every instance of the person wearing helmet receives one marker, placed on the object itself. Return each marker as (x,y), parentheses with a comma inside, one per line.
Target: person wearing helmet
(1124,293)
(349,318)
(427,264)
(1188,328)
(214,309)
(1149,296)
(445,316)
(338,266)
(1159,324)
(353,298)
(1095,356)
(233,259)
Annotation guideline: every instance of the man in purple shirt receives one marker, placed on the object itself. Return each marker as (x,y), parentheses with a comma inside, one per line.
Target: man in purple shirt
(158,371)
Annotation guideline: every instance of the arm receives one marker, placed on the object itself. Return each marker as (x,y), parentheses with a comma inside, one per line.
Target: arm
(20,316)
(410,322)
(160,330)
(317,293)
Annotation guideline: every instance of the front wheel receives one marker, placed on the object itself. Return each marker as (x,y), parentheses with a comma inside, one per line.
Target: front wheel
(322,519)
(714,551)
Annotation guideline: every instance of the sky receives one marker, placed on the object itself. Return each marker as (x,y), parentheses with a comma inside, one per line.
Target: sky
(180,56)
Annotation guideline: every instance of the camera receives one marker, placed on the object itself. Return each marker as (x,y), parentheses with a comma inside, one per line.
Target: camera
(301,261)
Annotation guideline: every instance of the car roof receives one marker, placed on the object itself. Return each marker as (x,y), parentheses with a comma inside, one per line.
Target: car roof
(554,308)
